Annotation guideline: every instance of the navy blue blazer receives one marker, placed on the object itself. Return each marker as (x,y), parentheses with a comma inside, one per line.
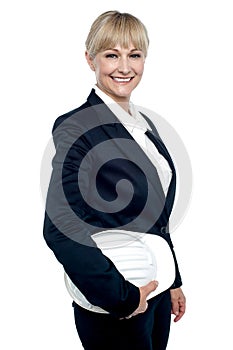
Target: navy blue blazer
(93,153)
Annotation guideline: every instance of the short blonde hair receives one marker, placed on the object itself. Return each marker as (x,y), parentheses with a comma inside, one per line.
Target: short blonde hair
(112,28)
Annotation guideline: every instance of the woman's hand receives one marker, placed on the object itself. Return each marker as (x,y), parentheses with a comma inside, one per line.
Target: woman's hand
(144,292)
(178,303)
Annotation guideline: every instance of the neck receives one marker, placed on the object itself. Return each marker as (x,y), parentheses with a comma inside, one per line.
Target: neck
(121,101)
(125,106)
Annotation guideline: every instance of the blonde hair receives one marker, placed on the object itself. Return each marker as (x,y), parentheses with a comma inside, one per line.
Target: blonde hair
(112,28)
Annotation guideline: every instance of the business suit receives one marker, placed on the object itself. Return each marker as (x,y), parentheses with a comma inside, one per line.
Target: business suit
(70,239)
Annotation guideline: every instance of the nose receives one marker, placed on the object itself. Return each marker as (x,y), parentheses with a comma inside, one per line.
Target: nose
(124,66)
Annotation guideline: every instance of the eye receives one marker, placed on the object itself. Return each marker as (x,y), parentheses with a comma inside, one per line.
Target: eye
(111,55)
(135,55)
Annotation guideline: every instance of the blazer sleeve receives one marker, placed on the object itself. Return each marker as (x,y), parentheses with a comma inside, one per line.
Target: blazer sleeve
(67,235)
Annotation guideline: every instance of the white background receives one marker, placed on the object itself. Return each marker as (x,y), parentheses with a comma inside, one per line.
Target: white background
(188,80)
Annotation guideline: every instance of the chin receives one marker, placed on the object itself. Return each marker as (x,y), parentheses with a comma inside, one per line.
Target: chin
(125,94)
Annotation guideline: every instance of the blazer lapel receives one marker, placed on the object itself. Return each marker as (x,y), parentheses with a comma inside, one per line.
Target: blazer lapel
(163,150)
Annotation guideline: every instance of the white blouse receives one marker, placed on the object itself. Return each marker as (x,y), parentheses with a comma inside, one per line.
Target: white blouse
(136,125)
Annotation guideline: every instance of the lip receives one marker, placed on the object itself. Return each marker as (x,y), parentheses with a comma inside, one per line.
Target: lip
(122,80)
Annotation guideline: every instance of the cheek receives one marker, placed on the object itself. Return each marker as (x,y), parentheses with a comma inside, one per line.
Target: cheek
(109,68)
(99,72)
(104,71)
(139,68)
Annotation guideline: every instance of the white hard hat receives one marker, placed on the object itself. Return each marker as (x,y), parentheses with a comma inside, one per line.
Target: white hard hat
(139,257)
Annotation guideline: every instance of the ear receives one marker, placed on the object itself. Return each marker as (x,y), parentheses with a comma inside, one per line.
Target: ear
(90,61)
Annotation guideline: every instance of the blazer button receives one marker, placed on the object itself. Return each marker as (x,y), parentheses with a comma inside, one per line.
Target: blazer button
(163,230)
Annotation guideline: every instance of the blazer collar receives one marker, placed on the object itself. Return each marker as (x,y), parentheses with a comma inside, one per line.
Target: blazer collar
(94,99)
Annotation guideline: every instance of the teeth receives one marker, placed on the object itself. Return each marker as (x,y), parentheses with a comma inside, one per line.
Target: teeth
(122,79)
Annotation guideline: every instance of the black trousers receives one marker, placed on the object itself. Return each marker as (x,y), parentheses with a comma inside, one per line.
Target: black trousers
(147,331)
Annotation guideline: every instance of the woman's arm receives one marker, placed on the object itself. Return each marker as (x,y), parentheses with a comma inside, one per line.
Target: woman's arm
(69,236)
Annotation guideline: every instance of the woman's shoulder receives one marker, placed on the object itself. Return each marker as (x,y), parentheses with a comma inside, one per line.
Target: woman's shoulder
(69,114)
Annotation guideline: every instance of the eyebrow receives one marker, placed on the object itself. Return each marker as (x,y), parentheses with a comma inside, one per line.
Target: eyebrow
(116,50)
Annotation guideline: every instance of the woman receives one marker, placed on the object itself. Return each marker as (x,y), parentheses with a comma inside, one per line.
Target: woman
(100,143)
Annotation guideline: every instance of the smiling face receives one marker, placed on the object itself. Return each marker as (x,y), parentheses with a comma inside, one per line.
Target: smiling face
(118,71)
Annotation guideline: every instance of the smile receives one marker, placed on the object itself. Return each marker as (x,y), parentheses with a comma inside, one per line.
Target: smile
(122,80)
